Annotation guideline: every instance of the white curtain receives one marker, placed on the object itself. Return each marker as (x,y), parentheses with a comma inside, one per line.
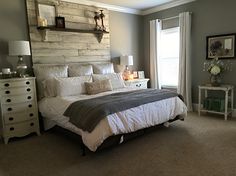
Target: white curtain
(155,31)
(184,83)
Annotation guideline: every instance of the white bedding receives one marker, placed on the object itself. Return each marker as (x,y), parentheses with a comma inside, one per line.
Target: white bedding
(126,121)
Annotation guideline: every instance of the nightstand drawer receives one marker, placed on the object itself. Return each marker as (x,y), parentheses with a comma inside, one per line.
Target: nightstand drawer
(16,91)
(17,99)
(21,129)
(20,83)
(18,108)
(140,85)
(20,117)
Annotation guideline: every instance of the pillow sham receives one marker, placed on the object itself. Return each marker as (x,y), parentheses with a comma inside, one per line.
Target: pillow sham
(49,87)
(117,81)
(98,86)
(71,85)
(80,70)
(43,72)
(103,68)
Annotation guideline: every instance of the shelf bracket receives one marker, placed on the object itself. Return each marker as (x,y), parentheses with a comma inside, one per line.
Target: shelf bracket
(99,37)
(44,35)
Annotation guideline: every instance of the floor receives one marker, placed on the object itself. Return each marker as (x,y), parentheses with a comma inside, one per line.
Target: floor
(198,146)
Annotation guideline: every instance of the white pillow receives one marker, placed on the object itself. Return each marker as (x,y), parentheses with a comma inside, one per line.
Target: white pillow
(80,70)
(117,81)
(71,85)
(49,87)
(103,68)
(43,72)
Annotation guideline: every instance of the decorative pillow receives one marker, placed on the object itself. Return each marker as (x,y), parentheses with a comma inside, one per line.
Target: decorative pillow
(80,70)
(43,72)
(103,68)
(71,85)
(49,87)
(117,81)
(98,86)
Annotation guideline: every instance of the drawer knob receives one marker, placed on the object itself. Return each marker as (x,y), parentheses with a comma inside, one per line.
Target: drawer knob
(9,109)
(28,89)
(31,114)
(30,105)
(11,118)
(31,124)
(7,85)
(29,97)
(8,100)
(7,92)
(27,82)
(12,129)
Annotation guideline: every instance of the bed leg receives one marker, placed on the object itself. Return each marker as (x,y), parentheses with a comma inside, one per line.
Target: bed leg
(83,149)
(167,124)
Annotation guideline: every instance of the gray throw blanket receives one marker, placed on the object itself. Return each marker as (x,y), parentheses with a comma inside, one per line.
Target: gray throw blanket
(86,114)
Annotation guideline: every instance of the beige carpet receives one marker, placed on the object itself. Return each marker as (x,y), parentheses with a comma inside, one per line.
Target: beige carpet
(198,146)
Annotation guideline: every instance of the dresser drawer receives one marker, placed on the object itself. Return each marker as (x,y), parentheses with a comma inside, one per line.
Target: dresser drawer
(20,83)
(137,84)
(16,91)
(18,108)
(21,129)
(17,99)
(20,117)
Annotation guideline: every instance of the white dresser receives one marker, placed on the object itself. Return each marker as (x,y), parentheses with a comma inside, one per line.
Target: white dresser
(19,111)
(139,83)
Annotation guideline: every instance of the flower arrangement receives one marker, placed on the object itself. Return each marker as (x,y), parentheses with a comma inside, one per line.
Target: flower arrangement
(216,68)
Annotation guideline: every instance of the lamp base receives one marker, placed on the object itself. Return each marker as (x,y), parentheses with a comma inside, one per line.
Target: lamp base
(126,73)
(21,67)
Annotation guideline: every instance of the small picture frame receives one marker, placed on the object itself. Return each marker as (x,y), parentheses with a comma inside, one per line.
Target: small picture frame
(141,75)
(135,73)
(46,11)
(60,22)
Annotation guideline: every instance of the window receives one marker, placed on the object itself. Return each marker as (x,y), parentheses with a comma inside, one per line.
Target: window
(168,62)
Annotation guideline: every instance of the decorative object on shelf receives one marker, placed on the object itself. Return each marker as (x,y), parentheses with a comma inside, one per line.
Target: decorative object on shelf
(60,22)
(126,60)
(141,75)
(96,18)
(221,46)
(102,16)
(216,67)
(20,49)
(42,22)
(135,74)
(46,11)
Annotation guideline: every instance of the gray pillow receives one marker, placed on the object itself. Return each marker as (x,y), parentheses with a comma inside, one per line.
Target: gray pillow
(103,68)
(98,86)
(80,70)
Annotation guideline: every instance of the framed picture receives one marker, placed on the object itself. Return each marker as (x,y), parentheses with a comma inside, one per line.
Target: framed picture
(60,22)
(141,74)
(46,11)
(135,73)
(221,46)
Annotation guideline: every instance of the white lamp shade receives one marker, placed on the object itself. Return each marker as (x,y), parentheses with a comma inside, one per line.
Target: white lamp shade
(19,48)
(126,60)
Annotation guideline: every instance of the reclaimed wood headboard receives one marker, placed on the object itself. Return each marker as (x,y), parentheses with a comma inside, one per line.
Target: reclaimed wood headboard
(60,47)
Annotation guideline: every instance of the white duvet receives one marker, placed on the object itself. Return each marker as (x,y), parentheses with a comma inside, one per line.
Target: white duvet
(126,121)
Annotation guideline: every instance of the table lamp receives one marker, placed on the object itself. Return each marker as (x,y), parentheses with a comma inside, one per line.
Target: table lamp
(20,49)
(126,60)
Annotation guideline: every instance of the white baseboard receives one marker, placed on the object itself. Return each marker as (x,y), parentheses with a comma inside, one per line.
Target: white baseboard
(195,109)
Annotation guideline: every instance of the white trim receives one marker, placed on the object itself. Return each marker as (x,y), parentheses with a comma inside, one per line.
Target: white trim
(166,6)
(106,6)
(130,10)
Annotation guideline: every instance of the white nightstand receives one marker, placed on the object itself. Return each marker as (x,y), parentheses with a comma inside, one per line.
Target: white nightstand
(138,83)
(18,108)
(228,90)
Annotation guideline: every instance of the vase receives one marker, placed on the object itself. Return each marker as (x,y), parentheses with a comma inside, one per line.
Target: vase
(215,80)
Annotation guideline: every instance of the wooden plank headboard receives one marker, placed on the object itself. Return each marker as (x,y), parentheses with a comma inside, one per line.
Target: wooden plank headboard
(66,47)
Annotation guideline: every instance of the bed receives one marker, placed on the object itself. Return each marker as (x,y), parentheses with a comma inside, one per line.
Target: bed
(58,89)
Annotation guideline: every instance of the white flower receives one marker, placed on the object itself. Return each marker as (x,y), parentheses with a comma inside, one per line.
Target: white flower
(215,70)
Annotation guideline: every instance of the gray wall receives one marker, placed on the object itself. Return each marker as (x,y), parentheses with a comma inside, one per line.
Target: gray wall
(126,35)
(13,27)
(125,30)
(210,17)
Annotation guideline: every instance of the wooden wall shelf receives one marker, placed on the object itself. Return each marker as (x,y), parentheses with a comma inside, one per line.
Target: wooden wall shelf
(98,34)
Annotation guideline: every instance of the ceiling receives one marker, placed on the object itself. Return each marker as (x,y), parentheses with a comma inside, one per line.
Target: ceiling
(135,4)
